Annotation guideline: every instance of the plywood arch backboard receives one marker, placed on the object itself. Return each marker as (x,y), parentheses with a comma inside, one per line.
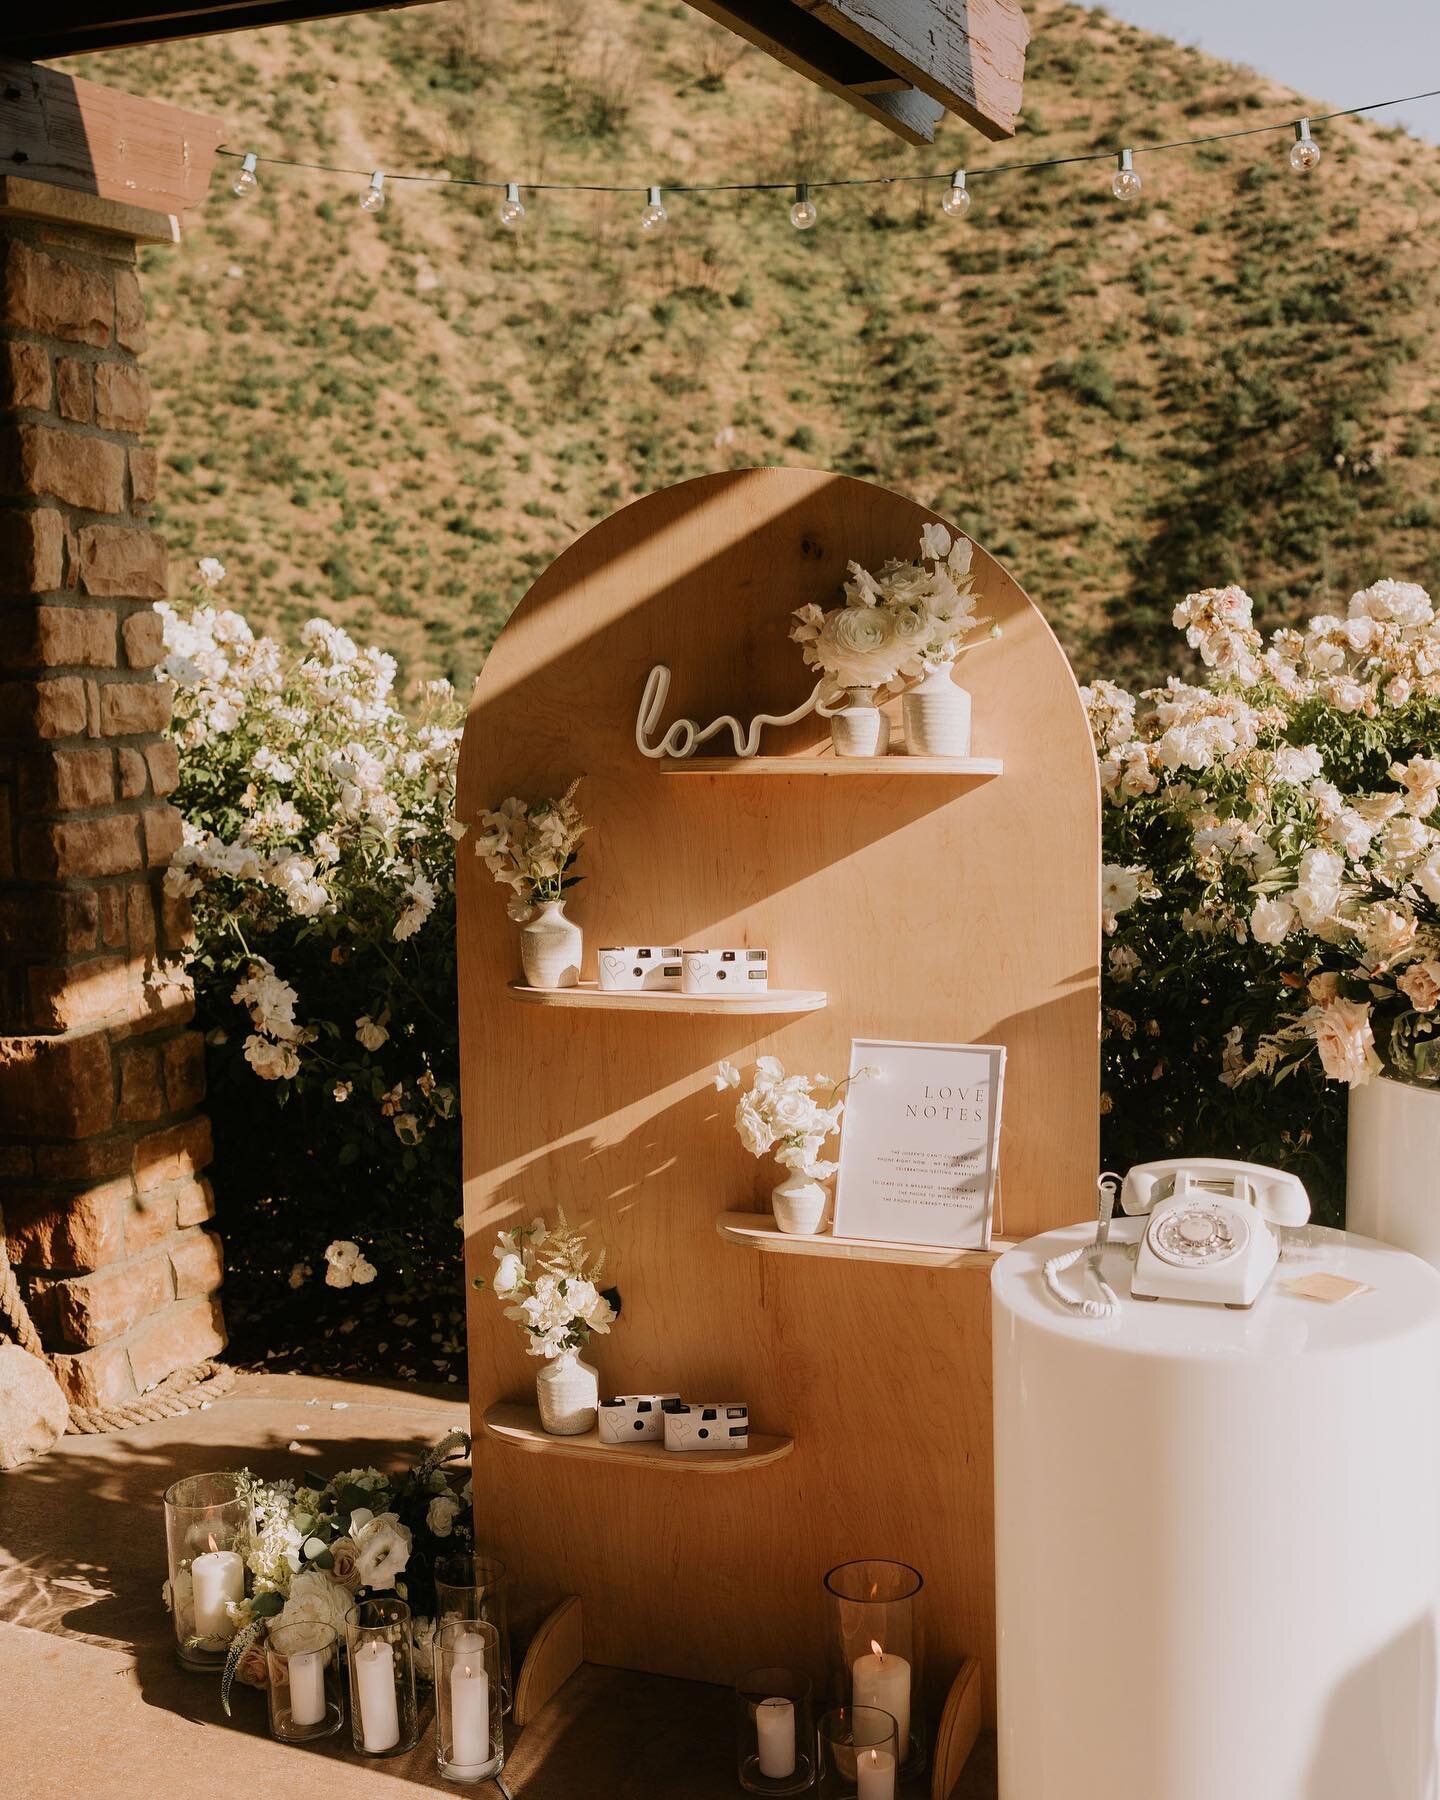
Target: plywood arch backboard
(928,911)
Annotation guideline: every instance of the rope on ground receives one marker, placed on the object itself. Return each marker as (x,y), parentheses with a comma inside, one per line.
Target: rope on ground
(177,1394)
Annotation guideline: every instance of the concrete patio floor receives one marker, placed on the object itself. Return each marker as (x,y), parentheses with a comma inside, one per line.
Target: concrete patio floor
(90,1687)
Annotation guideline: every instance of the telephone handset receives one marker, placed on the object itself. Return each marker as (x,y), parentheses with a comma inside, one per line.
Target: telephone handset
(1208,1235)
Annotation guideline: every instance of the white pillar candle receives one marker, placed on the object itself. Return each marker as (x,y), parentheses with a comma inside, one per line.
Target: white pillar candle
(375,1685)
(469,1710)
(884,1681)
(775,1730)
(307,1687)
(218,1577)
(875,1775)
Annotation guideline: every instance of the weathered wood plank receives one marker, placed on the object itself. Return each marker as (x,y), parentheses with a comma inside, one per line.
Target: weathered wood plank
(68,27)
(75,134)
(832,61)
(967,54)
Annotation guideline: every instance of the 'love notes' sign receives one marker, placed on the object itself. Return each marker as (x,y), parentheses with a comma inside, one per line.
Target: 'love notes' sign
(920,1148)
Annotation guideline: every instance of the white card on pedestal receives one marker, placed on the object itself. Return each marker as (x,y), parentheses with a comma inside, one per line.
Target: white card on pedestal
(919,1152)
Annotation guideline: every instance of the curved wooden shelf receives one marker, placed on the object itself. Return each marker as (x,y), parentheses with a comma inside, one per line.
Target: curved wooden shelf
(962,768)
(520,1425)
(588,993)
(760,1232)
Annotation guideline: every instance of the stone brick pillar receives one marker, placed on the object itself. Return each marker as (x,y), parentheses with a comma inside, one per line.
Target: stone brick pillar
(101,1078)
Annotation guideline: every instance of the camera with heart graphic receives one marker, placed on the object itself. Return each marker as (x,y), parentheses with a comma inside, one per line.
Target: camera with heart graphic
(629,968)
(737,971)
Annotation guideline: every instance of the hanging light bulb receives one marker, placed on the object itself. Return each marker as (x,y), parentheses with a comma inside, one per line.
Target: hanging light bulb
(654,216)
(1304,152)
(956,202)
(803,214)
(512,207)
(1125,184)
(374,196)
(247,180)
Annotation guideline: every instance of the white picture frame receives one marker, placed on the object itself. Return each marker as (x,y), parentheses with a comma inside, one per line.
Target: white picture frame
(919,1151)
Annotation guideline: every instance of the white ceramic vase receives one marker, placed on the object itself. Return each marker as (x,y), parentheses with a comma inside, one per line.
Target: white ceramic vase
(550,946)
(859,728)
(937,715)
(799,1205)
(1392,1173)
(568,1391)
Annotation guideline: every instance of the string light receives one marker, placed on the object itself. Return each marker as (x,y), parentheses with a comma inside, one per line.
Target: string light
(957,197)
(512,207)
(654,216)
(374,196)
(1125,183)
(803,214)
(1304,152)
(247,180)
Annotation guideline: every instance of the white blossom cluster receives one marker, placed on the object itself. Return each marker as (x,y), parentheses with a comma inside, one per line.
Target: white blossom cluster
(529,847)
(894,625)
(550,1280)
(780,1114)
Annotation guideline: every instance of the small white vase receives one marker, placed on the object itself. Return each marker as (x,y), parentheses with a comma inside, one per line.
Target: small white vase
(937,715)
(799,1205)
(859,728)
(568,1391)
(1392,1173)
(550,947)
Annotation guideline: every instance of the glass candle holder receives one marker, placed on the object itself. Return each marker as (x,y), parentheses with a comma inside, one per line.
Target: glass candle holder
(209,1522)
(381,1653)
(774,1732)
(877,1650)
(859,1754)
(469,1716)
(306,1699)
(476,1588)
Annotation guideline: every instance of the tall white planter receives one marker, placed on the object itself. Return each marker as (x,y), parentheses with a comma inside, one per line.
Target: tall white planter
(1392,1175)
(550,946)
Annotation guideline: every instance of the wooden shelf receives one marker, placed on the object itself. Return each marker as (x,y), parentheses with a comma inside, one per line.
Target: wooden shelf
(760,1232)
(958,768)
(520,1425)
(588,993)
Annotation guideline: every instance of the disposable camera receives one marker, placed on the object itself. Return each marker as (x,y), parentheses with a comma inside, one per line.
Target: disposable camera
(634,1418)
(712,1427)
(630,967)
(725,971)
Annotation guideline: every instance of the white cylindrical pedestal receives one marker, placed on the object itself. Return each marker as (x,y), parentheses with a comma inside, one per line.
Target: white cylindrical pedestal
(1392,1173)
(1218,1536)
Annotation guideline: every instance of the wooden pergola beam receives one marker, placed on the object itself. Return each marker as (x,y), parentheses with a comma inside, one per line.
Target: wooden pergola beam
(61,131)
(70,27)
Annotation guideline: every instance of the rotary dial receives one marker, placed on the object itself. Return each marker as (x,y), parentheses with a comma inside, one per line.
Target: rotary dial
(1196,1236)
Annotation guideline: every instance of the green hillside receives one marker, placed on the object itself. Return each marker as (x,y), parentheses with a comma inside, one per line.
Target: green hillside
(399,420)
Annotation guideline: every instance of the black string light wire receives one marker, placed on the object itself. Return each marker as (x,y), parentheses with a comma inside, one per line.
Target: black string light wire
(1304,155)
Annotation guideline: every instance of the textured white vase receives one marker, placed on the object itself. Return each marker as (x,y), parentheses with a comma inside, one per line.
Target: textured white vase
(799,1205)
(568,1391)
(937,715)
(860,728)
(1392,1172)
(550,947)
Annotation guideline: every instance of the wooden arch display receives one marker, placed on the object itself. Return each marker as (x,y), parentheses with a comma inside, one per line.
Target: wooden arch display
(948,908)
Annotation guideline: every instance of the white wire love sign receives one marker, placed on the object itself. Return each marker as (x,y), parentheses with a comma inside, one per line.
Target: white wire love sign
(684,737)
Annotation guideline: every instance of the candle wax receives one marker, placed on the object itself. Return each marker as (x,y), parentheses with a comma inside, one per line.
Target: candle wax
(469,1710)
(218,1576)
(875,1775)
(307,1687)
(883,1680)
(775,1730)
(375,1687)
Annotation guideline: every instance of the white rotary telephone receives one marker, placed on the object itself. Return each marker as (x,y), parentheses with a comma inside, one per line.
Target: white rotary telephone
(1208,1236)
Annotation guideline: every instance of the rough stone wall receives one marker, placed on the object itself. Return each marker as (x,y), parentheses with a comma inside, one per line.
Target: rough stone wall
(101,1078)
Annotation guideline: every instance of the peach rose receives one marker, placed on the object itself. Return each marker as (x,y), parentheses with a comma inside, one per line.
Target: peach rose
(1420,984)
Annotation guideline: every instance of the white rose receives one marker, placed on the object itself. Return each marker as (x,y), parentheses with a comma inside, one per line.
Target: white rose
(316,1600)
(1346,1042)
(382,1549)
(1271,920)
(441,1514)
(1420,984)
(1317,893)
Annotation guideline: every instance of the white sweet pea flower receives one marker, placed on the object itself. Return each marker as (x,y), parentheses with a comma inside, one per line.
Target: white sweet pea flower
(726,1076)
(211,571)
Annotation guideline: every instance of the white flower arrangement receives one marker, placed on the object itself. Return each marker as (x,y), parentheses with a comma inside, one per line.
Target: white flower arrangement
(787,1116)
(530,848)
(552,1281)
(897,624)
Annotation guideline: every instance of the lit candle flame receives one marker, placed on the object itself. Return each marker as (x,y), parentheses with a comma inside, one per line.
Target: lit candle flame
(876,1648)
(213,1544)
(874,1760)
(468,1673)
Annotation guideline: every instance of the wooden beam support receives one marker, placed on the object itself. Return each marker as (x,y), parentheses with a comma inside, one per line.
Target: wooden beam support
(69,27)
(967,54)
(63,132)
(832,61)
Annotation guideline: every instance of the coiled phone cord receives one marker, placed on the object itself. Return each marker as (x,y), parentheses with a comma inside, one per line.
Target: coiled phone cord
(1109,1304)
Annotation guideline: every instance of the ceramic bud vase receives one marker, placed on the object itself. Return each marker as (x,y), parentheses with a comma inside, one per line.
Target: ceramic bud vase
(937,715)
(568,1391)
(1392,1177)
(550,948)
(798,1204)
(859,728)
